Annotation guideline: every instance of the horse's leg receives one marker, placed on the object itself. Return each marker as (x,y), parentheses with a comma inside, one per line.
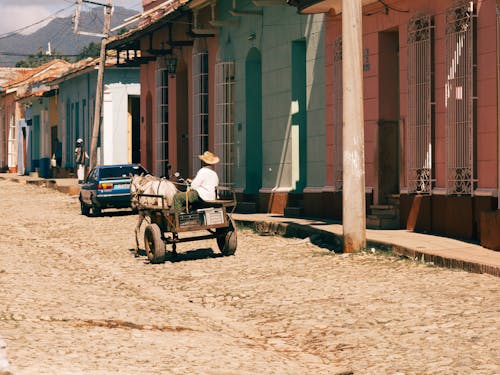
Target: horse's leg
(137,230)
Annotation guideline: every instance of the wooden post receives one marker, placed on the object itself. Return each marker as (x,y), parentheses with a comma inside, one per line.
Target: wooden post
(99,87)
(353,190)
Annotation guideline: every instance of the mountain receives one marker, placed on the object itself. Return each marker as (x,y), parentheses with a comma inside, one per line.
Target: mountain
(59,33)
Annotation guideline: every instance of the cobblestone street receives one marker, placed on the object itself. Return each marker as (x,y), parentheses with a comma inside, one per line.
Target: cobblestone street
(75,300)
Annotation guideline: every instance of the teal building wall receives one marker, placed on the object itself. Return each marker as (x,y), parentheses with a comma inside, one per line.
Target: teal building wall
(291,146)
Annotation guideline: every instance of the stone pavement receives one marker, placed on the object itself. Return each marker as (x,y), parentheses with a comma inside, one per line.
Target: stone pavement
(281,306)
(440,251)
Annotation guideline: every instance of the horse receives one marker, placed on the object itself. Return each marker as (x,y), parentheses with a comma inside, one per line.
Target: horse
(148,184)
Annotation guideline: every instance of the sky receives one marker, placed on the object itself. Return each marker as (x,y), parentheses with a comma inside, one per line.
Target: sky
(17,14)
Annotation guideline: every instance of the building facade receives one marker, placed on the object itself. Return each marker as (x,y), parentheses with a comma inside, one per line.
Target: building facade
(261,85)
(118,140)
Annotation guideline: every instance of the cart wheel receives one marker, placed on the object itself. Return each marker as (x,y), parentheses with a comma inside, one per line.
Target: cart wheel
(84,208)
(227,240)
(155,247)
(96,210)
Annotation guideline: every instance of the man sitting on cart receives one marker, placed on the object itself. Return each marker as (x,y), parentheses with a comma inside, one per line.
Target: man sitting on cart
(202,186)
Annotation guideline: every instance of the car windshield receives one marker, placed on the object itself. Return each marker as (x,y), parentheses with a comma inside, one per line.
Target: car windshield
(122,171)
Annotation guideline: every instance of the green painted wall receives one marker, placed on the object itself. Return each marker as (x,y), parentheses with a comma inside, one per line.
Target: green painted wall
(274,34)
(253,121)
(284,39)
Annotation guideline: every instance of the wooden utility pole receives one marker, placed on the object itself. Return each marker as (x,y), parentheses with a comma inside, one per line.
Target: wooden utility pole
(99,87)
(100,72)
(353,186)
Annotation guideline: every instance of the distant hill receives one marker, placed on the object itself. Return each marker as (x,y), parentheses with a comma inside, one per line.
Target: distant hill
(59,32)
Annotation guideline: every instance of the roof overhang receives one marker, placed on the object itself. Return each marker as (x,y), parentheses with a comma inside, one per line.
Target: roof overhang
(131,39)
(322,6)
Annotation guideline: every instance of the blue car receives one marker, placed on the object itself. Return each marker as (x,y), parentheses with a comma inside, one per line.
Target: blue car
(107,186)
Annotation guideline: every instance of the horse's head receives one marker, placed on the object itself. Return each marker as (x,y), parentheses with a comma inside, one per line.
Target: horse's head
(135,181)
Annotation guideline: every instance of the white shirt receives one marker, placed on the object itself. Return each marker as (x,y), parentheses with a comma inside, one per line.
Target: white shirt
(205,182)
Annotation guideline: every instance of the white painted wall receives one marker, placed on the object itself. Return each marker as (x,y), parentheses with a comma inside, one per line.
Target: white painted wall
(114,129)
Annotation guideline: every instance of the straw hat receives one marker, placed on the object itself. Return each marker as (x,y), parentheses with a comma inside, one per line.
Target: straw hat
(208,158)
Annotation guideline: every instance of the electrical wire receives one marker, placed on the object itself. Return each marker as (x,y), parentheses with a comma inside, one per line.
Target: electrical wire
(387,7)
(51,16)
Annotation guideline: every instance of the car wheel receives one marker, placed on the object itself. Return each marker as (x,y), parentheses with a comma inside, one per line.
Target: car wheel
(96,210)
(84,208)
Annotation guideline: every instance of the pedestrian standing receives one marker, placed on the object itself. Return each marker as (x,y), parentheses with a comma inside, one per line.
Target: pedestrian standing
(81,158)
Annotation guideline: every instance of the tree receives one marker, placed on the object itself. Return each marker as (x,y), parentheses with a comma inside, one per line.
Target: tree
(40,58)
(92,50)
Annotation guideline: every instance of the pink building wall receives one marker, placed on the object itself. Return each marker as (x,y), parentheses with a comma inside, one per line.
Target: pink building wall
(486,124)
(181,104)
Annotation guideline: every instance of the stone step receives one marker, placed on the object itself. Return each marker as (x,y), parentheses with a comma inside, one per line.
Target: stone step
(393,199)
(293,211)
(246,207)
(384,210)
(377,222)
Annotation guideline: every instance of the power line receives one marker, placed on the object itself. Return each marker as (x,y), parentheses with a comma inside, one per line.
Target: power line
(14,32)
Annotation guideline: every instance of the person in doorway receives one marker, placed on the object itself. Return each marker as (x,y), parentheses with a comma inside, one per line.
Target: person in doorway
(81,158)
(56,160)
(202,186)
(58,154)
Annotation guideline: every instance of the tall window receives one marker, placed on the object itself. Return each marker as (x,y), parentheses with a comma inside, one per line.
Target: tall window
(12,149)
(2,140)
(161,159)
(420,102)
(200,101)
(70,138)
(224,116)
(337,114)
(459,97)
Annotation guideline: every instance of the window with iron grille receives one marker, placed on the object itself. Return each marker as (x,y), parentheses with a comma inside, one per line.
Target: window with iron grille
(459,97)
(224,121)
(419,136)
(161,159)
(200,101)
(337,114)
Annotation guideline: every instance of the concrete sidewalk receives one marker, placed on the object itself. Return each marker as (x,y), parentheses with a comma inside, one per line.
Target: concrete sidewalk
(441,251)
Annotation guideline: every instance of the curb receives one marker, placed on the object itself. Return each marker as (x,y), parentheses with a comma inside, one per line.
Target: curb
(334,242)
(318,237)
(48,183)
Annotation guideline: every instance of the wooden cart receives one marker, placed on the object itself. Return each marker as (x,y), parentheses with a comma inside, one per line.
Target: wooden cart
(165,227)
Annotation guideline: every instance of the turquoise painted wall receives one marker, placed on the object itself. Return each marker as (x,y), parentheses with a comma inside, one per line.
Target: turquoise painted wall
(274,33)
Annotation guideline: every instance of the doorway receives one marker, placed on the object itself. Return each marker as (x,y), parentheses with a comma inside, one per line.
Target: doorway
(135,114)
(253,104)
(388,123)
(299,118)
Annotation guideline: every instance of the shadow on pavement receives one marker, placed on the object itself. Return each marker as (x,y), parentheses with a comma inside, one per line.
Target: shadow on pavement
(187,256)
(197,254)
